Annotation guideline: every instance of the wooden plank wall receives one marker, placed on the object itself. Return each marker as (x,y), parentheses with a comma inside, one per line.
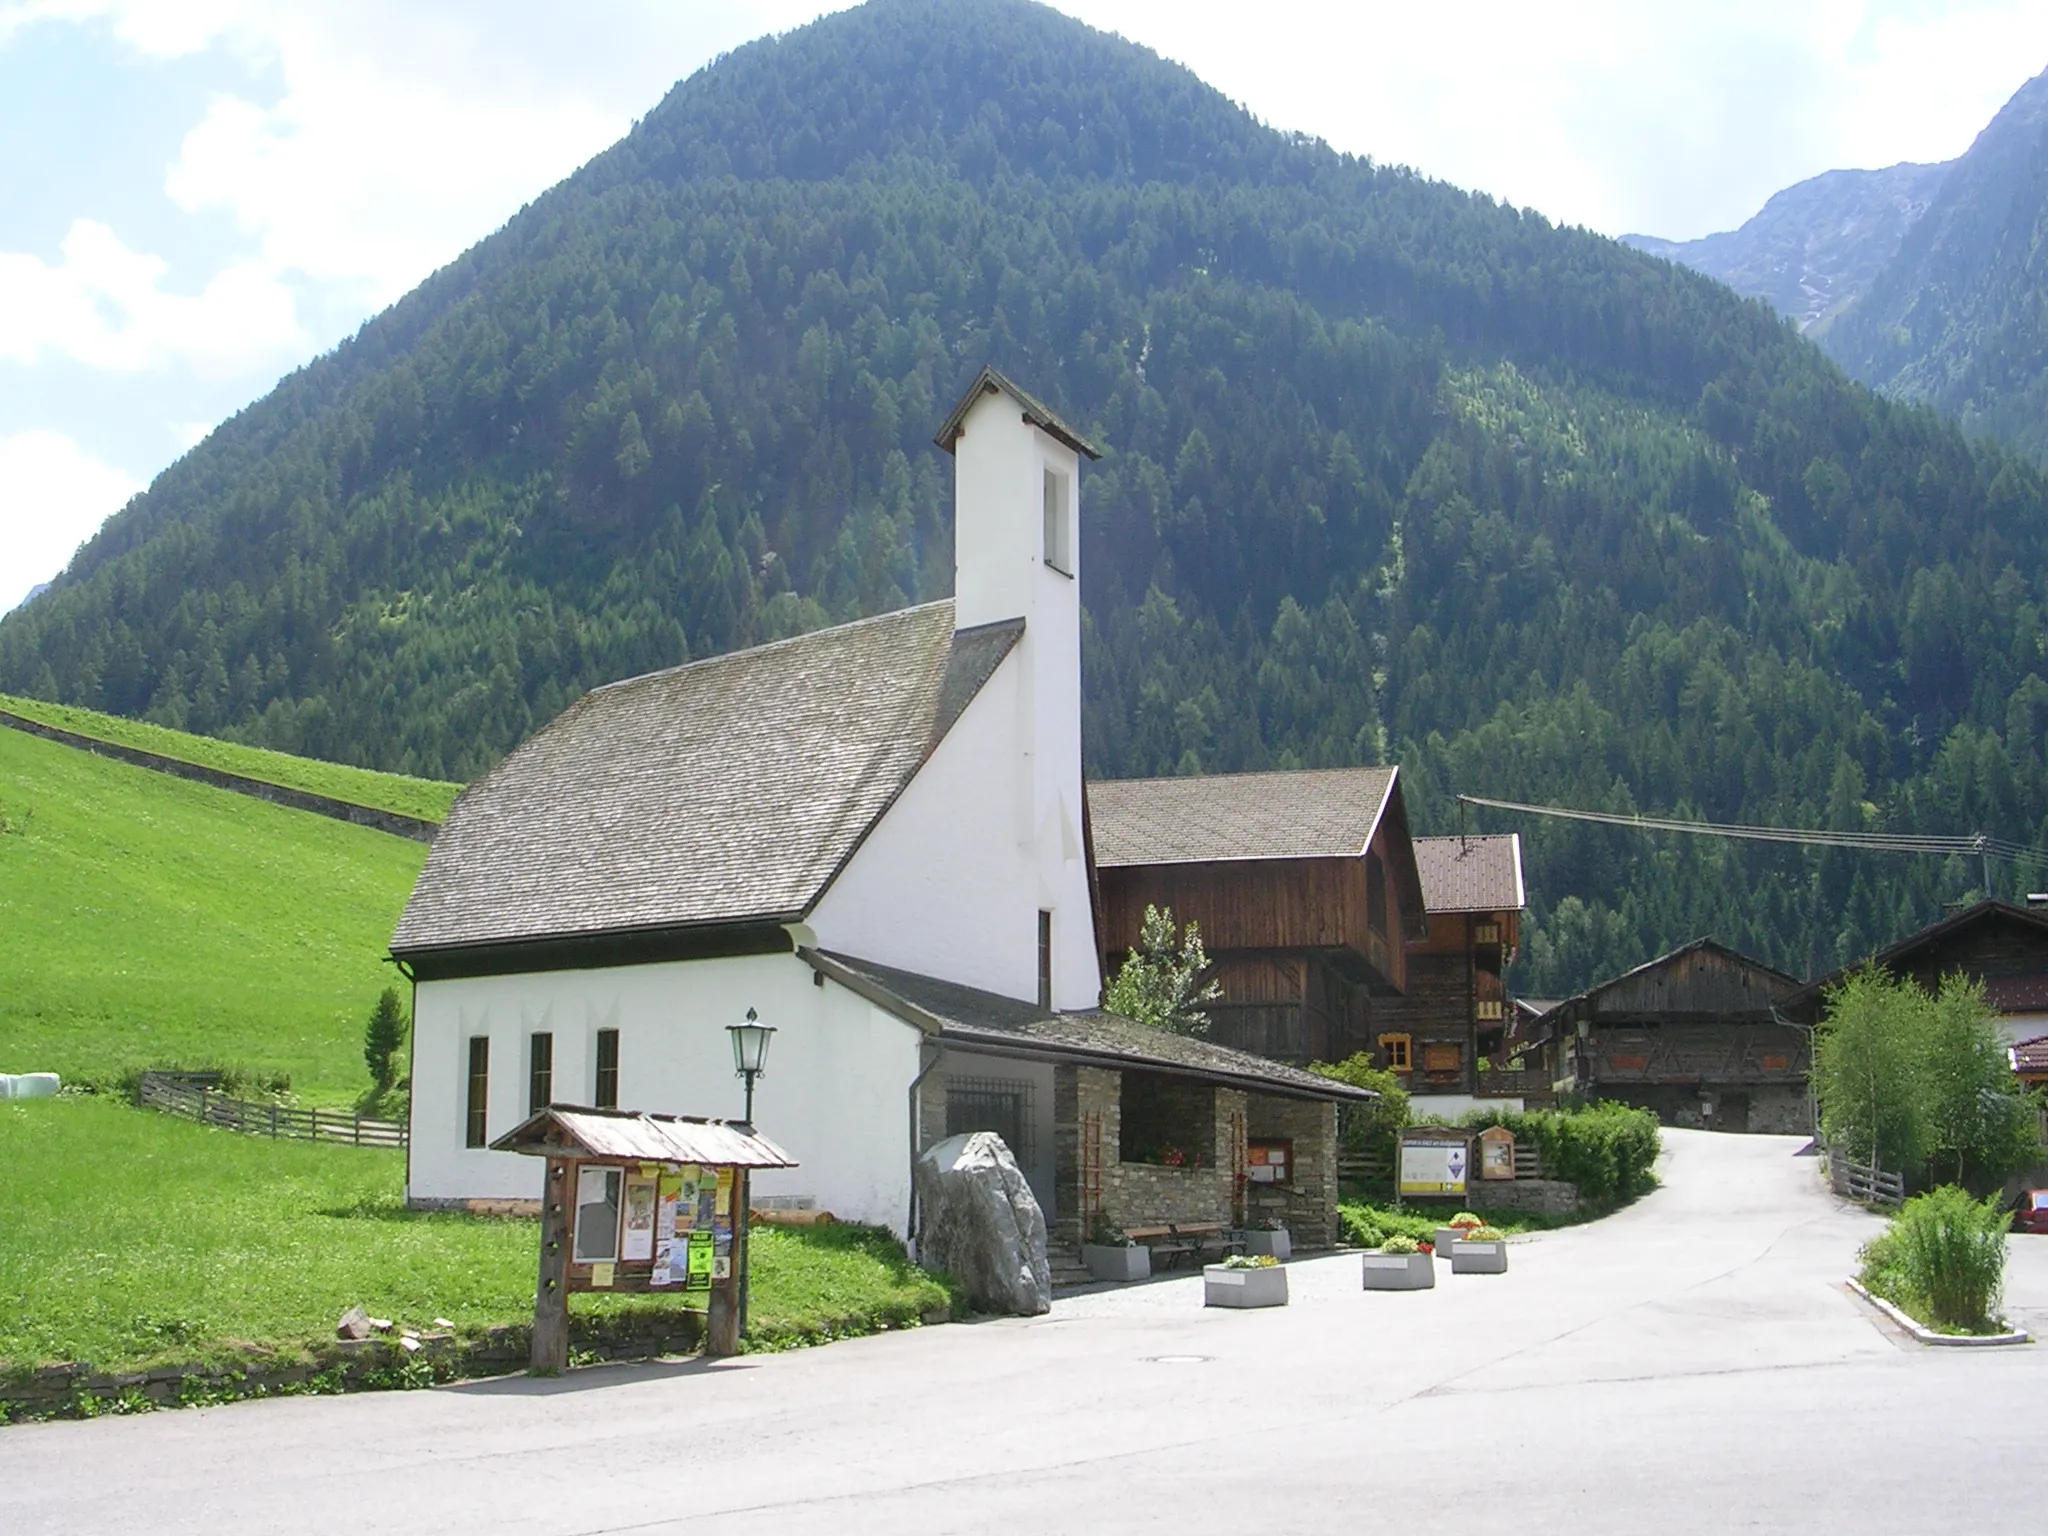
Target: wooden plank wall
(1701,984)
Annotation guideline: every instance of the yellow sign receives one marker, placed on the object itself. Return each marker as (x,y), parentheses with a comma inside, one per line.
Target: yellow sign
(600,1277)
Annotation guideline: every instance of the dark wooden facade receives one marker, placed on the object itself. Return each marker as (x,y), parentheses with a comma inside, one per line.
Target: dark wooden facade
(1994,942)
(1698,1035)
(1452,1022)
(1303,947)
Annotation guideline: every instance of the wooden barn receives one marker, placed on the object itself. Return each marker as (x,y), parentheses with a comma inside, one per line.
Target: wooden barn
(1452,1028)
(1698,1036)
(2003,946)
(1304,885)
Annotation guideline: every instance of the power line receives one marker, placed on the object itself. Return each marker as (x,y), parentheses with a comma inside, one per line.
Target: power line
(1975,845)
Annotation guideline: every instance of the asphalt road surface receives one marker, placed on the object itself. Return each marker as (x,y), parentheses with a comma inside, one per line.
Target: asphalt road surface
(1692,1364)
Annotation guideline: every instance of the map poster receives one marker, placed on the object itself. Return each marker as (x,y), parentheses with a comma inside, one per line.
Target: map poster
(1434,1165)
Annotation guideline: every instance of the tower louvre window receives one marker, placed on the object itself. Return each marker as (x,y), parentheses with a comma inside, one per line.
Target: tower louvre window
(1059,523)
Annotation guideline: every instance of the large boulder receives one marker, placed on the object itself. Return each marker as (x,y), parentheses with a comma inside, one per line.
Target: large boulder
(978,1219)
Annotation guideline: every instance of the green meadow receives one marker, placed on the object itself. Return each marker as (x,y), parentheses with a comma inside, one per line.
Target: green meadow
(428,799)
(149,921)
(132,1239)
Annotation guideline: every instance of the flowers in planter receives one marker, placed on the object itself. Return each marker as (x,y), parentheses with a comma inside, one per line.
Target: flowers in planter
(1251,1261)
(1485,1234)
(1466,1219)
(1402,1243)
(1105,1233)
(1179,1157)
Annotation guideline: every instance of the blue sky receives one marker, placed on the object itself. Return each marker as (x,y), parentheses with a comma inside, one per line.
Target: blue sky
(197,196)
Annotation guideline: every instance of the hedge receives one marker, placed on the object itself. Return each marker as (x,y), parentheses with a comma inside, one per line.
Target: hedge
(1608,1152)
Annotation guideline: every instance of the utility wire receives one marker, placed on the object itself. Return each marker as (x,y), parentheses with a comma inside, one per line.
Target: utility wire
(1976,845)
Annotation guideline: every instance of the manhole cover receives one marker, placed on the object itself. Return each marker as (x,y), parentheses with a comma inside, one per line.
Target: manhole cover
(1180,1359)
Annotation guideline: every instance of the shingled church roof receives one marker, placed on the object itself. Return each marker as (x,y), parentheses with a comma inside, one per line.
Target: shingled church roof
(728,791)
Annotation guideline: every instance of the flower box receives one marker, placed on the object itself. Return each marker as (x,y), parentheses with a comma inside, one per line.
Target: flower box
(1445,1236)
(1484,1258)
(1223,1287)
(1117,1263)
(1399,1271)
(1279,1243)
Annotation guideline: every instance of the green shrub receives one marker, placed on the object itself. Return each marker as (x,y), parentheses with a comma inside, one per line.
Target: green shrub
(1608,1152)
(1368,1129)
(1942,1259)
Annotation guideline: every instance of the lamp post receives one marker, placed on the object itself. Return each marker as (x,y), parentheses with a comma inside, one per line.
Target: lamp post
(750,1053)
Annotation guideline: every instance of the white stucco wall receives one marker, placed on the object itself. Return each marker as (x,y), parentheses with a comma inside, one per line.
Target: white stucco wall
(988,834)
(835,1092)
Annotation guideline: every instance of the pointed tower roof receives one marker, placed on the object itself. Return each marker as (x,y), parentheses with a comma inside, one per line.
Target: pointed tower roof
(989,382)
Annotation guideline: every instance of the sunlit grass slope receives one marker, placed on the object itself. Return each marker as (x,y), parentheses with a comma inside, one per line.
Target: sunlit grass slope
(146,920)
(427,799)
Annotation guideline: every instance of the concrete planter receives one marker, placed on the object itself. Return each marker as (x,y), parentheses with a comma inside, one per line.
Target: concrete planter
(1223,1287)
(1118,1263)
(1399,1271)
(1279,1244)
(1469,1258)
(1445,1236)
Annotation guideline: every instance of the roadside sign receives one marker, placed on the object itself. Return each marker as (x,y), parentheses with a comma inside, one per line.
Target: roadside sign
(1434,1161)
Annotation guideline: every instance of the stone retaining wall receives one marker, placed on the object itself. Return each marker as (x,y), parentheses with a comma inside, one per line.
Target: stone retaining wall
(1532,1197)
(296,799)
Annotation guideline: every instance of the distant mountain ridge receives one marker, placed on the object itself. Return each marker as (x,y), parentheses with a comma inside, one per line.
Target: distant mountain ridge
(1928,282)
(1816,247)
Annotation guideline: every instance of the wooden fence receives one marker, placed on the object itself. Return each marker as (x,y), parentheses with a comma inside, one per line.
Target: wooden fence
(191,1100)
(1864,1183)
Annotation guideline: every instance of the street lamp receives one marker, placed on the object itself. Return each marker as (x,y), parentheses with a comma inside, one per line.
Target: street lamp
(750,1053)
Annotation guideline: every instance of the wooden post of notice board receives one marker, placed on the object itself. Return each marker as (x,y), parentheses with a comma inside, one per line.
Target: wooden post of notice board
(550,1356)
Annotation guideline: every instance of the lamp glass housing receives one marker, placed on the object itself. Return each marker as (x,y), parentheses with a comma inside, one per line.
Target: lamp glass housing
(750,1045)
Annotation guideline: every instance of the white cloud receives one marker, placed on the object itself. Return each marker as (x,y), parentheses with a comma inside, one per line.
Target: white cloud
(53,497)
(105,305)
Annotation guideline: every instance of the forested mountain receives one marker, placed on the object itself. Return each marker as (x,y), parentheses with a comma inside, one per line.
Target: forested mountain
(1393,471)
(1959,317)
(1817,246)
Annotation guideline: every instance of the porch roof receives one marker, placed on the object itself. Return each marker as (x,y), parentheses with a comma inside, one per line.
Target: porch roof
(969,1017)
(618,1135)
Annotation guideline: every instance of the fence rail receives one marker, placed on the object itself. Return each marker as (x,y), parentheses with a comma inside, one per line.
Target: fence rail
(190,1100)
(1864,1183)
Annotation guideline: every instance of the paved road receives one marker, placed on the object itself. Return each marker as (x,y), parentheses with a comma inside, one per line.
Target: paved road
(1693,1364)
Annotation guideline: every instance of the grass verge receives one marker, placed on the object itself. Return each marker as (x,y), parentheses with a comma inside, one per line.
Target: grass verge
(134,1240)
(428,799)
(149,921)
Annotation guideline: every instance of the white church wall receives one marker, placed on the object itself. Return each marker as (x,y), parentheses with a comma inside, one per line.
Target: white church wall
(834,1095)
(988,834)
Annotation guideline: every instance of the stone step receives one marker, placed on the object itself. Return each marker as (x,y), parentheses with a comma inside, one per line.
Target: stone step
(1067,1269)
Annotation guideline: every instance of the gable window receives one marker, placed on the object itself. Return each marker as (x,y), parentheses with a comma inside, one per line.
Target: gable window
(1399,1051)
(606,1095)
(477,1119)
(1059,523)
(1045,961)
(540,1072)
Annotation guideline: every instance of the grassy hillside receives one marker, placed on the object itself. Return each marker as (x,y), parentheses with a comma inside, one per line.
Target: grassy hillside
(148,920)
(244,1241)
(427,799)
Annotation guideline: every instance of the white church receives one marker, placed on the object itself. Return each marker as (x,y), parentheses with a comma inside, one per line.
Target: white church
(876,838)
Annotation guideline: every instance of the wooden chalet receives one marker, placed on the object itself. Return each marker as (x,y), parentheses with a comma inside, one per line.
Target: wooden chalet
(1451,1030)
(1698,1036)
(1304,884)
(2003,946)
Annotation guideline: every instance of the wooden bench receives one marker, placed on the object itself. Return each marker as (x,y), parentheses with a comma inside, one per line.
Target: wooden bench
(1168,1248)
(1207,1236)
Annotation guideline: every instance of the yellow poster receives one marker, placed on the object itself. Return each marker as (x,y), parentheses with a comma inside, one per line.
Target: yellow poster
(724,1206)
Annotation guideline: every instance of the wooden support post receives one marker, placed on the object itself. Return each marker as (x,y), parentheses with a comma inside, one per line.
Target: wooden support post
(743,1240)
(725,1318)
(550,1355)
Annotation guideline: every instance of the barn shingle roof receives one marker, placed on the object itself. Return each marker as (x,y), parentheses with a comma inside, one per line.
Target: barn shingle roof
(1471,874)
(1316,813)
(727,791)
